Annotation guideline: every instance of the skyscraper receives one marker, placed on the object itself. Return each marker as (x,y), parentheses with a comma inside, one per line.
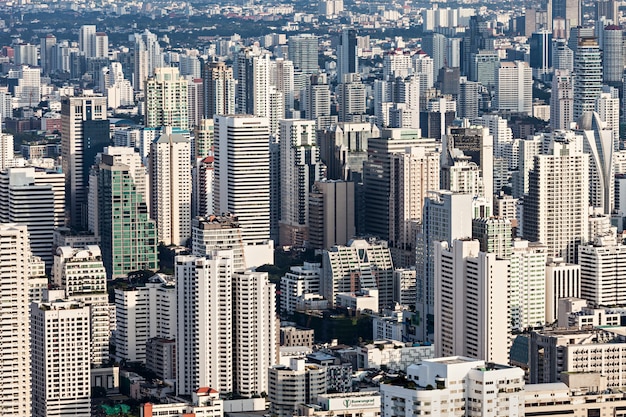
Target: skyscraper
(147,57)
(331,214)
(561,100)
(300,167)
(612,55)
(556,215)
(347,59)
(84,133)
(514,81)
(15,378)
(86,41)
(242,178)
(541,53)
(568,10)
(170,187)
(351,95)
(166,99)
(303,51)
(219,89)
(587,76)
(435,45)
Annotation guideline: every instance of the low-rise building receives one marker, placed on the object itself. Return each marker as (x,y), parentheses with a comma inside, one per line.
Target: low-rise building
(354,404)
(205,402)
(394,355)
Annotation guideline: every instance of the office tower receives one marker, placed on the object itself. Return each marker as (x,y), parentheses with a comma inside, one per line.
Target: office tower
(470,300)
(343,149)
(562,55)
(435,45)
(514,84)
(527,285)
(303,51)
(612,56)
(607,107)
(84,133)
(473,41)
(602,271)
(540,53)
(413,174)
(494,235)
(477,144)
(36,199)
(60,360)
(446,216)
(439,115)
(45,52)
(298,383)
(255,331)
(484,68)
(424,68)
(377,174)
(351,98)
(25,54)
(347,57)
(568,10)
(143,312)
(608,9)
(315,97)
(561,100)
(253,82)
(100,45)
(598,143)
(557,216)
(202,191)
(228,319)
(300,167)
(81,274)
(587,76)
(219,89)
(166,99)
(563,280)
(356,267)
(467,104)
(86,41)
(499,129)
(448,81)
(242,178)
(27,92)
(281,76)
(331,213)
(127,233)
(170,187)
(147,57)
(15,380)
(218,233)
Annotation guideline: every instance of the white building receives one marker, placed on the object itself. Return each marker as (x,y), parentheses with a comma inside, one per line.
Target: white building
(471,306)
(144,312)
(455,386)
(290,386)
(563,280)
(527,282)
(60,350)
(204,402)
(166,99)
(514,82)
(242,174)
(561,100)
(350,404)
(392,354)
(15,380)
(218,233)
(603,272)
(170,187)
(298,281)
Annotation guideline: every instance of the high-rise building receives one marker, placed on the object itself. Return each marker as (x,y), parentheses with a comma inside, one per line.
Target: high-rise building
(351,98)
(86,40)
(435,45)
(80,272)
(470,302)
(219,89)
(612,55)
(300,167)
(568,10)
(494,235)
(561,100)
(218,233)
(166,99)
(607,106)
(253,82)
(15,378)
(147,57)
(227,331)
(298,383)
(598,143)
(331,214)
(562,280)
(303,52)
(143,312)
(170,187)
(413,174)
(45,52)
(347,58)
(100,45)
(602,269)
(315,98)
(562,55)
(84,134)
(358,266)
(242,178)
(587,75)
(557,215)
(60,349)
(29,197)
(527,285)
(282,77)
(541,53)
(514,83)
(128,235)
